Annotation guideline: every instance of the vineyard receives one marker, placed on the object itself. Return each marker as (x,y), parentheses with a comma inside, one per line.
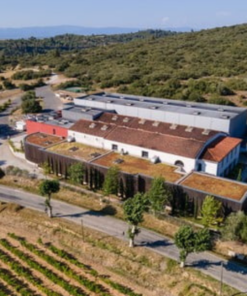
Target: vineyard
(43,269)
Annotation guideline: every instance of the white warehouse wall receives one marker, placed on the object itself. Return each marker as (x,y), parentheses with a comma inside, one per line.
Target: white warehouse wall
(99,142)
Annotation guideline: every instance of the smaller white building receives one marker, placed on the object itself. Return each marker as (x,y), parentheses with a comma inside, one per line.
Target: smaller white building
(220,156)
(21,125)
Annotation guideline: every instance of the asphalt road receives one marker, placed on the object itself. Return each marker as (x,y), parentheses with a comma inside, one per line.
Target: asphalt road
(51,102)
(233,274)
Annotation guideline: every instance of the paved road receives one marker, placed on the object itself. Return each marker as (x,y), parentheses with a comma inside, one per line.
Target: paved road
(233,275)
(51,102)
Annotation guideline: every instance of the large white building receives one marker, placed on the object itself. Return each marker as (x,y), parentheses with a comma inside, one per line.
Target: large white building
(231,120)
(189,148)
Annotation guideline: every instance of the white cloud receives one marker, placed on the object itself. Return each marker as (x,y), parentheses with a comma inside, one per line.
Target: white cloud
(165,19)
(223,13)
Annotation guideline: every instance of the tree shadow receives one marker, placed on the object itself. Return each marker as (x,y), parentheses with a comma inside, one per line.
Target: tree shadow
(108,210)
(228,265)
(47,110)
(155,244)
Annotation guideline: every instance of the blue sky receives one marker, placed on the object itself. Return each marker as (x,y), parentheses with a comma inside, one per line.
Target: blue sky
(141,14)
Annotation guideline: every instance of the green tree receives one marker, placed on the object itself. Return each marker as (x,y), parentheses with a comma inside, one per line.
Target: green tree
(46,168)
(158,195)
(133,214)
(189,241)
(110,185)
(235,227)
(76,172)
(29,95)
(31,106)
(8,84)
(211,211)
(46,188)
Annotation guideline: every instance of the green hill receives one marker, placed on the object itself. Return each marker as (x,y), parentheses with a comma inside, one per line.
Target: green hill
(197,66)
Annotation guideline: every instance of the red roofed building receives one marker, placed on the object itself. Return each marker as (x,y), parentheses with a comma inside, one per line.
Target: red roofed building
(221,155)
(189,148)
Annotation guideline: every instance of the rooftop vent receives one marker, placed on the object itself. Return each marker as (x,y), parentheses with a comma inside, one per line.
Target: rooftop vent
(156,123)
(126,119)
(154,107)
(104,128)
(129,104)
(95,154)
(92,125)
(155,159)
(114,118)
(221,109)
(118,160)
(196,113)
(189,129)
(142,121)
(73,149)
(109,101)
(91,99)
(121,97)
(225,116)
(85,109)
(173,126)
(206,132)
(189,105)
(165,103)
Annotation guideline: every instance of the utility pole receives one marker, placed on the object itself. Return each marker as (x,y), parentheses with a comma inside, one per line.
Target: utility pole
(82,230)
(221,277)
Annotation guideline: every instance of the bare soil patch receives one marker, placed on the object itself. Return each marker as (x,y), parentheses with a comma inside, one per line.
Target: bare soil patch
(10,94)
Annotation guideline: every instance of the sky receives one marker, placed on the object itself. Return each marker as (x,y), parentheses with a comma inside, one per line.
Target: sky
(143,14)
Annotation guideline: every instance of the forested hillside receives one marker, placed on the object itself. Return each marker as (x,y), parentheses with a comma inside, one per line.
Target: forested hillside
(197,66)
(68,42)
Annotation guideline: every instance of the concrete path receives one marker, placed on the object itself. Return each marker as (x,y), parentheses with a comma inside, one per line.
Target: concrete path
(233,274)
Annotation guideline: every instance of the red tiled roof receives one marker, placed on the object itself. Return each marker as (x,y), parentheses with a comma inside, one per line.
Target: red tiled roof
(92,128)
(220,148)
(146,133)
(154,141)
(156,126)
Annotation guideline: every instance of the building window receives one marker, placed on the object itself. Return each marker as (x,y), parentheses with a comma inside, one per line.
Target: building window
(54,131)
(145,154)
(114,147)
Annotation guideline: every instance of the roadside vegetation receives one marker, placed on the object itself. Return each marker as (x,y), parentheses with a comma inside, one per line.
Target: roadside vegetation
(138,210)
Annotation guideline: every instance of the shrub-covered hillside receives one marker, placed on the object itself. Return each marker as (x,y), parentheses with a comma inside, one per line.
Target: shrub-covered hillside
(197,66)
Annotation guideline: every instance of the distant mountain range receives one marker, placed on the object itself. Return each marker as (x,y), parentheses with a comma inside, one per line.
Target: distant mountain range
(46,32)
